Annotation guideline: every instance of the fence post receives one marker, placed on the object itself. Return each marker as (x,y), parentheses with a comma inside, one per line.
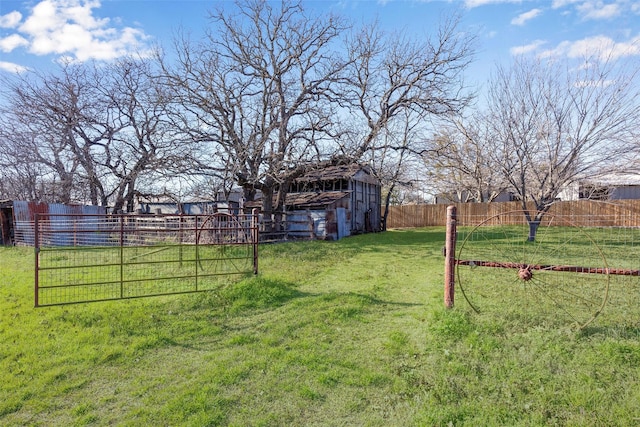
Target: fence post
(255,237)
(450,257)
(121,241)
(36,247)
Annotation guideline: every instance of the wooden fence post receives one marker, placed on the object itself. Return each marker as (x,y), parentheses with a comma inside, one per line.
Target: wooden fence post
(450,257)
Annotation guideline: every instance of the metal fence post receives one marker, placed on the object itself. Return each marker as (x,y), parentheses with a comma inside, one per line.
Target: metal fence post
(121,242)
(255,237)
(36,246)
(449,254)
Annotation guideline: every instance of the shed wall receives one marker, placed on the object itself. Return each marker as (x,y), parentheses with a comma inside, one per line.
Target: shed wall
(365,215)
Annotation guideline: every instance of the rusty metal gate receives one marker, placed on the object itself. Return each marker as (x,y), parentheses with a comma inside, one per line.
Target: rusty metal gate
(83,258)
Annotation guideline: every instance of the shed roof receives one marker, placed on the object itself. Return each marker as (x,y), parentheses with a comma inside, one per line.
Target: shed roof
(334,172)
(313,199)
(614,179)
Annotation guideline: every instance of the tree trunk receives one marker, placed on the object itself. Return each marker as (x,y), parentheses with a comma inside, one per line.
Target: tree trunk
(129,198)
(387,202)
(533,229)
(267,209)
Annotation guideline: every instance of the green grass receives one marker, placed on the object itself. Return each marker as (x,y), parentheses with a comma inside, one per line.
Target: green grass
(84,274)
(329,333)
(560,288)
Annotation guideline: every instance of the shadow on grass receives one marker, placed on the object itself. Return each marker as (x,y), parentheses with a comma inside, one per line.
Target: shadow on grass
(364,297)
(197,321)
(260,293)
(620,331)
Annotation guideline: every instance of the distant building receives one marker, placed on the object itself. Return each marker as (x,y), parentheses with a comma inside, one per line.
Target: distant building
(333,202)
(610,187)
(188,208)
(347,196)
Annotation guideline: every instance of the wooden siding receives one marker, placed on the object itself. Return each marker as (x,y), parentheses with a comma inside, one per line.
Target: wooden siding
(365,199)
(620,213)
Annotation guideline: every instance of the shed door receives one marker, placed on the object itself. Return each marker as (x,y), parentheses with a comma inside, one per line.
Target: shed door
(341,219)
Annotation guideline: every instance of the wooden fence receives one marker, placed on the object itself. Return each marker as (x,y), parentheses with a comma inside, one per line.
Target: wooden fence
(619,213)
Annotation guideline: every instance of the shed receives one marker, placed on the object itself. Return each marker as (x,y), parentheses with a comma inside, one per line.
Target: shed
(342,199)
(321,215)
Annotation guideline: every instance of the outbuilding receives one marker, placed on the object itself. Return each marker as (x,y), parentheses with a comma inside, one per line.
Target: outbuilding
(340,200)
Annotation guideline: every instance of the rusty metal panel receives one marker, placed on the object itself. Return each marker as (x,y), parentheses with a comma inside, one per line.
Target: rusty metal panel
(24,214)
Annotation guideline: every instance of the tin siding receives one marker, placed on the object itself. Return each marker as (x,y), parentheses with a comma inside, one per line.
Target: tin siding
(24,214)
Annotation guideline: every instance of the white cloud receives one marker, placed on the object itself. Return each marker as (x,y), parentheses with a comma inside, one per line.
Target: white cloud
(9,43)
(70,28)
(11,67)
(598,10)
(526,16)
(10,20)
(557,4)
(600,47)
(594,83)
(526,49)
(470,4)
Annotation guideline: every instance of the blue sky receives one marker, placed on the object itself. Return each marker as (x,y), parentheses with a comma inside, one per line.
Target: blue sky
(34,34)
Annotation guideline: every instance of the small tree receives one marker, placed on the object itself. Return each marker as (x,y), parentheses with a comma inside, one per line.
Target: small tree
(460,161)
(395,157)
(553,126)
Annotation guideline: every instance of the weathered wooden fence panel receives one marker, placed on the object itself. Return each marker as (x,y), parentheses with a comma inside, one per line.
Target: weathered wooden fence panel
(621,213)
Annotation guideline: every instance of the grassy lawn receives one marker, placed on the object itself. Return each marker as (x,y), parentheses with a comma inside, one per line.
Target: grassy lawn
(348,333)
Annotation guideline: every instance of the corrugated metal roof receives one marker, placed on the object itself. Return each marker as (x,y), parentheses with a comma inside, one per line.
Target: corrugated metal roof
(306,200)
(333,172)
(614,179)
(315,199)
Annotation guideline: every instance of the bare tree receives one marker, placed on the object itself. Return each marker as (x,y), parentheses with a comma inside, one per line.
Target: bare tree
(555,125)
(397,155)
(461,161)
(267,93)
(92,131)
(257,91)
(272,90)
(393,75)
(36,133)
(146,144)
(20,178)
(396,87)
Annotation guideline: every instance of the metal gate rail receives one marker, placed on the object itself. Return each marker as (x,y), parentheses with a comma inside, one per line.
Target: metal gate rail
(83,258)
